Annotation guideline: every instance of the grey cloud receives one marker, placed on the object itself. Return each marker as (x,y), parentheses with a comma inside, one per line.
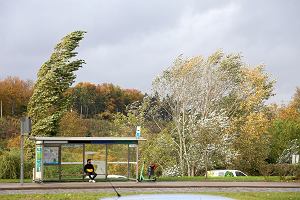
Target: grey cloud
(130,42)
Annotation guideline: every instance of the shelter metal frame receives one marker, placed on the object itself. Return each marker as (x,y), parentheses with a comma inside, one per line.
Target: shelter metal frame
(42,142)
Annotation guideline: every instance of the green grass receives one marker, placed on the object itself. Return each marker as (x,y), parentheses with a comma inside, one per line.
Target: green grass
(262,195)
(86,196)
(184,178)
(15,180)
(64,179)
(226,179)
(94,196)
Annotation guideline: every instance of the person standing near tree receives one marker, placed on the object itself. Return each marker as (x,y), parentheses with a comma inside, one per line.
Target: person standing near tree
(90,170)
(151,169)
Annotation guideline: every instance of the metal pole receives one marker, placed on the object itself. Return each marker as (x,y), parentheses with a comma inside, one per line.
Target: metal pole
(59,166)
(83,160)
(106,154)
(128,166)
(1,109)
(22,159)
(137,162)
(25,128)
(42,163)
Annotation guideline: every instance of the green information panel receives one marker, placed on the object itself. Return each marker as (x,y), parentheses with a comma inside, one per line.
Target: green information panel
(38,160)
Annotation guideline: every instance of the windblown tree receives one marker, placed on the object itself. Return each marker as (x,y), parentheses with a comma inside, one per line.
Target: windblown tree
(50,99)
(196,89)
(204,96)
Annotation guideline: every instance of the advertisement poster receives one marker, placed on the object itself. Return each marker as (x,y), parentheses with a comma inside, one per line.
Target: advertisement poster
(51,155)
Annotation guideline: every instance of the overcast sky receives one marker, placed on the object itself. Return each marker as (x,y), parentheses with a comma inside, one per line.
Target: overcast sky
(129,42)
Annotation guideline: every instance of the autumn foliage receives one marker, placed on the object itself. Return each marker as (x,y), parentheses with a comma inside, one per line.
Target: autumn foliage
(14,94)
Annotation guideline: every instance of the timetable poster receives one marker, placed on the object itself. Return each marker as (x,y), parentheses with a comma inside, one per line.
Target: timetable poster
(51,155)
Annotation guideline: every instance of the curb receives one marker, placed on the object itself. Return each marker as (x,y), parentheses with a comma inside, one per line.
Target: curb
(137,186)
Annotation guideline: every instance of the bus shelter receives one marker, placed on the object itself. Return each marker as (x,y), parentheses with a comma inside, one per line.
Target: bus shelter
(72,152)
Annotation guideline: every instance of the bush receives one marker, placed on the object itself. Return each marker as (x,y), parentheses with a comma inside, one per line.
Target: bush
(297,173)
(281,170)
(10,165)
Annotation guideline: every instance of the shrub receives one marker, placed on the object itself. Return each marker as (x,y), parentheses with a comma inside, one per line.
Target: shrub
(10,165)
(282,170)
(297,172)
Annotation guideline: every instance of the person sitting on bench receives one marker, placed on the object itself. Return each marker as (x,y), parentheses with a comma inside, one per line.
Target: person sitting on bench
(90,170)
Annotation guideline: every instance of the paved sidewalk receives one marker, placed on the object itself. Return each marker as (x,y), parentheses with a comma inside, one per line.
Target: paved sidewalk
(181,184)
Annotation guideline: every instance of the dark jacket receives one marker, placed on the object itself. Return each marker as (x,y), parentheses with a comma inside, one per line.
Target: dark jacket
(88,166)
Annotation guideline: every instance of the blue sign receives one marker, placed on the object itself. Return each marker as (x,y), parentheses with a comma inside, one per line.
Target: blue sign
(138,132)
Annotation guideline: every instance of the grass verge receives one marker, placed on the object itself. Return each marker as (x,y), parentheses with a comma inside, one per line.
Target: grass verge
(227,179)
(94,196)
(186,178)
(262,195)
(15,180)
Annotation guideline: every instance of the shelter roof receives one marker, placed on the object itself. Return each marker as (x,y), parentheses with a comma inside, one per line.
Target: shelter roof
(89,140)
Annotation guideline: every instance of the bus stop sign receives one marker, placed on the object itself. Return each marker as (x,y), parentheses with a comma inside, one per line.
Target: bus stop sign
(25,125)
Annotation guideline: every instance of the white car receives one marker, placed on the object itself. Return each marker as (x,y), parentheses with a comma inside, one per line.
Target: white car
(225,172)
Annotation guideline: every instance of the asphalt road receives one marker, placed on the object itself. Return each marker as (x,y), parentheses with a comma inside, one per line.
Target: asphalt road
(159,187)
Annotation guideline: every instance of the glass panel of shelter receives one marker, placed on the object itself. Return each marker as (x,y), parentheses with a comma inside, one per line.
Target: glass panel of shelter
(97,152)
(71,161)
(117,161)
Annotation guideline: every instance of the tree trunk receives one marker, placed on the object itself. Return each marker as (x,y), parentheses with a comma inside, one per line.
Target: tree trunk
(206,163)
(80,111)
(189,171)
(186,156)
(193,170)
(180,153)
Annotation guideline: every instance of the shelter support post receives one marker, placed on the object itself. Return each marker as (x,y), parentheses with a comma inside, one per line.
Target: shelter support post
(22,156)
(106,154)
(59,163)
(128,165)
(83,160)
(137,162)
(42,163)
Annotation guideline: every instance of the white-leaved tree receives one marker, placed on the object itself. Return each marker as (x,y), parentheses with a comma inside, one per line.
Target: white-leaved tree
(202,95)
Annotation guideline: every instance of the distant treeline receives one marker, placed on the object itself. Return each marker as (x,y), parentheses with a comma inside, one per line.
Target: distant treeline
(88,99)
